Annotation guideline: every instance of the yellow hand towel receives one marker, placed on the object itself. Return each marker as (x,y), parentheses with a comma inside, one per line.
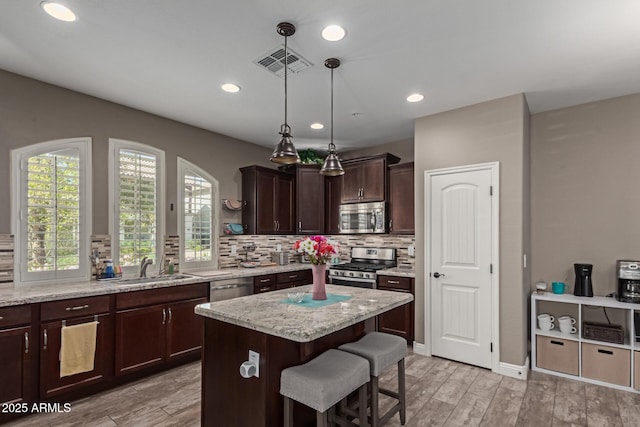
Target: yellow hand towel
(78,349)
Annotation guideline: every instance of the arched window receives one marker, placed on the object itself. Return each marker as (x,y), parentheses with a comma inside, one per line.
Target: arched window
(52,211)
(198,225)
(136,198)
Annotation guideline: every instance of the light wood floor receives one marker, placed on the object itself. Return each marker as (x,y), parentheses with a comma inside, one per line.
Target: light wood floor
(439,392)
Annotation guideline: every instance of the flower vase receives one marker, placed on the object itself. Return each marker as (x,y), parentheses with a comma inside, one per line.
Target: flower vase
(319,276)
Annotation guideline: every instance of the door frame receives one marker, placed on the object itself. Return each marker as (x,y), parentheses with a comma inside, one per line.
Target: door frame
(494,167)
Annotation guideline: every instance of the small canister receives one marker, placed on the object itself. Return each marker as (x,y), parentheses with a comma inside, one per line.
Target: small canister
(280,258)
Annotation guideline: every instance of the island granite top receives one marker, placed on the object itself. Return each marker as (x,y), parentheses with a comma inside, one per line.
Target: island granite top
(268,313)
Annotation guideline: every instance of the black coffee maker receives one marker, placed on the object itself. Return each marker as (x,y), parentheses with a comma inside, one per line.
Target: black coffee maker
(584,286)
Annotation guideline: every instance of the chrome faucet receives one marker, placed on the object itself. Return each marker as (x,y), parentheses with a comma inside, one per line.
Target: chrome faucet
(143,266)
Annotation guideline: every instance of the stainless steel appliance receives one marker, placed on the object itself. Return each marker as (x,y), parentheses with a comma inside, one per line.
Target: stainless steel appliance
(584,285)
(361,270)
(628,274)
(358,218)
(230,288)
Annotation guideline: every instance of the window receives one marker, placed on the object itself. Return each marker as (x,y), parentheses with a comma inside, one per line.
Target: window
(136,197)
(197,217)
(52,220)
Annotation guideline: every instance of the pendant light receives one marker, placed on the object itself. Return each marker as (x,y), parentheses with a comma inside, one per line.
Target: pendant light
(285,153)
(332,166)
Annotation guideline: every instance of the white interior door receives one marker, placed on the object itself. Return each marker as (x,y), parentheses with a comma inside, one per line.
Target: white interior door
(460,227)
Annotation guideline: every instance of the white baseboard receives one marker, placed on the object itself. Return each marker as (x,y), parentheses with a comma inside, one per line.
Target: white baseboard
(420,349)
(514,371)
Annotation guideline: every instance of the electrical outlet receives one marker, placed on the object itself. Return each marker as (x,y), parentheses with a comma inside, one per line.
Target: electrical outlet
(412,250)
(255,358)
(278,247)
(234,249)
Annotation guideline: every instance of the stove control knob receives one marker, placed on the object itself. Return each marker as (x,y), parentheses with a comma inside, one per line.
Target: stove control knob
(351,274)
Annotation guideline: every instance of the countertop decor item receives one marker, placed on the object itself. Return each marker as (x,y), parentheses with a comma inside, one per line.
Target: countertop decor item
(319,250)
(332,166)
(234,205)
(285,152)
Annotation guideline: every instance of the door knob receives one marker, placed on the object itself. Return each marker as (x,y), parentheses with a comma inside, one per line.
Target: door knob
(436,275)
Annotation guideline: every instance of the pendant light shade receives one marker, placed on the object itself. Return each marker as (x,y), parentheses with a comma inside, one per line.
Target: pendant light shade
(285,152)
(331,165)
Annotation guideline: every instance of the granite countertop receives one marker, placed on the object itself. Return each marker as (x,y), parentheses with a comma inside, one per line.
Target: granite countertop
(29,294)
(268,313)
(398,271)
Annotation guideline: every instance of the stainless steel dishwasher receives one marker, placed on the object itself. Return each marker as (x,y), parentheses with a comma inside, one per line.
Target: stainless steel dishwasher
(231,288)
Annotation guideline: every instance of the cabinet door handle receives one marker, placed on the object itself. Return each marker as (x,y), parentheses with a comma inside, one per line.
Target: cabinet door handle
(605,351)
(77,307)
(264,289)
(395,282)
(299,225)
(1,317)
(265,280)
(557,342)
(390,225)
(170,314)
(293,276)
(26,342)
(164,316)
(45,340)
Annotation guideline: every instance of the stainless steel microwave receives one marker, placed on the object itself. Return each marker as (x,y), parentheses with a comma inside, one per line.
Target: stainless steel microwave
(363,218)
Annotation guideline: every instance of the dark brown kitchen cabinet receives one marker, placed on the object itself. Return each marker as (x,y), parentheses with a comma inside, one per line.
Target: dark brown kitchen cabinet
(18,357)
(270,201)
(400,320)
(332,199)
(157,326)
(401,197)
(365,178)
(309,199)
(293,278)
(264,283)
(53,316)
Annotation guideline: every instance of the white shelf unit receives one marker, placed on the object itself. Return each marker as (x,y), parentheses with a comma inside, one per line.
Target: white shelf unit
(586,309)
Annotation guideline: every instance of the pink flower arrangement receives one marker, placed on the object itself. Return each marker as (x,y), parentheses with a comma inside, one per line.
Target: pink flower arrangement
(318,249)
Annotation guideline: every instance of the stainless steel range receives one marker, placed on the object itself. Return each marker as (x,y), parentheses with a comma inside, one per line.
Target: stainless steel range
(361,270)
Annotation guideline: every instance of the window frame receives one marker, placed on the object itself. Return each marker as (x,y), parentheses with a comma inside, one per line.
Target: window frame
(184,167)
(115,145)
(19,174)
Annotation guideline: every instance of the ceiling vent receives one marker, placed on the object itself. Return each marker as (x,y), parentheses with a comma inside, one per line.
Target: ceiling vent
(273,61)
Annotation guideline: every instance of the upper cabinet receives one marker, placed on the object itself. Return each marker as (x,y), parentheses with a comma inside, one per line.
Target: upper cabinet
(332,200)
(270,197)
(365,178)
(309,200)
(401,198)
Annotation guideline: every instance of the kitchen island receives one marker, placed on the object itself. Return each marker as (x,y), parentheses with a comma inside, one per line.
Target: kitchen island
(284,334)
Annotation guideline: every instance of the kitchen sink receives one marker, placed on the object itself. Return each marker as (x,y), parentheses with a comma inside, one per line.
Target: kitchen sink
(162,278)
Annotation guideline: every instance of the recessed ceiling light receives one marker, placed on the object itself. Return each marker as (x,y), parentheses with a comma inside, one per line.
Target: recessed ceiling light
(58,11)
(415,97)
(230,87)
(333,33)
(317,126)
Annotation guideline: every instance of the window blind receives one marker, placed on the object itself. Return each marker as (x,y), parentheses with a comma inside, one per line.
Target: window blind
(197,218)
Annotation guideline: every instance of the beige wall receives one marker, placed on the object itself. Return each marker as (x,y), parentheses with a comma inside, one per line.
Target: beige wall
(487,132)
(585,190)
(402,149)
(32,111)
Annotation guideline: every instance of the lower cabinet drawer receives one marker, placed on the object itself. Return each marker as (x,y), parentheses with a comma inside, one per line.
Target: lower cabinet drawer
(636,370)
(557,354)
(607,364)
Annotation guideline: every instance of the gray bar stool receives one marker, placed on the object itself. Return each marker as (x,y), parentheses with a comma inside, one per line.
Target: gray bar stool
(323,382)
(382,350)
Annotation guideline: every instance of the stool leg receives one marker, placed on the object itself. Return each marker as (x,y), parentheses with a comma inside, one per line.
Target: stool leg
(288,412)
(402,392)
(362,406)
(321,419)
(375,415)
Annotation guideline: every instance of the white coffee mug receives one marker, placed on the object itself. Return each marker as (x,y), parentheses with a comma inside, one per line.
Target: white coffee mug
(545,316)
(546,326)
(567,329)
(567,319)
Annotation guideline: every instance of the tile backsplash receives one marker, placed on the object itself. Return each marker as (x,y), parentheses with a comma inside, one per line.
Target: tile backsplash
(267,244)
(264,246)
